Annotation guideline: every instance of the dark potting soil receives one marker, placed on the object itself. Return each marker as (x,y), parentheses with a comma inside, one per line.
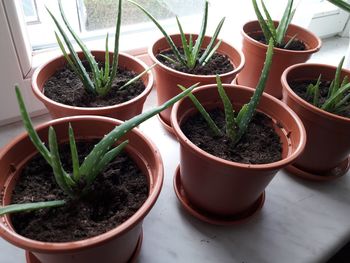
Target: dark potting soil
(66,87)
(295,45)
(115,196)
(300,88)
(259,145)
(218,64)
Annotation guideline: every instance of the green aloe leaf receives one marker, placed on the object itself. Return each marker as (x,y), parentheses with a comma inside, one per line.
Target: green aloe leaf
(115,52)
(200,38)
(290,41)
(212,52)
(62,178)
(337,77)
(284,23)
(341,4)
(137,77)
(33,135)
(328,105)
(342,102)
(229,112)
(187,50)
(253,103)
(105,160)
(15,208)
(213,127)
(100,149)
(167,37)
(74,154)
(65,54)
(208,53)
(106,74)
(316,92)
(269,21)
(83,75)
(88,56)
(264,27)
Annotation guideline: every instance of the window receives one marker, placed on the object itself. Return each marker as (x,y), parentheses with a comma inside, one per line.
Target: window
(93,18)
(28,39)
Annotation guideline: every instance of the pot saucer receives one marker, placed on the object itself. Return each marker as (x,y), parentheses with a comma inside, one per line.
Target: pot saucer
(210,218)
(335,173)
(30,258)
(166,125)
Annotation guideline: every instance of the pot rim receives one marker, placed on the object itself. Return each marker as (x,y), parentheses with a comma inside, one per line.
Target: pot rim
(175,72)
(269,166)
(280,50)
(306,105)
(40,95)
(74,246)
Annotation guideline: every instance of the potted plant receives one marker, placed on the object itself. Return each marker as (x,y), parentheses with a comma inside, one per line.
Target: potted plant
(190,58)
(301,44)
(319,94)
(227,159)
(93,213)
(95,83)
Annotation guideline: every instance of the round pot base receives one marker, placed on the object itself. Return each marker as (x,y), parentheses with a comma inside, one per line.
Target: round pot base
(335,173)
(166,125)
(211,218)
(30,258)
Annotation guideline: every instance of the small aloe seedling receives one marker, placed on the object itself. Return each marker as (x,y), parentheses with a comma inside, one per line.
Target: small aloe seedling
(268,27)
(338,97)
(236,126)
(102,78)
(191,57)
(94,163)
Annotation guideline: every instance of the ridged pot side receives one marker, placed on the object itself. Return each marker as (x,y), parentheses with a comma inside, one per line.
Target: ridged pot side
(116,245)
(223,187)
(167,79)
(122,111)
(255,52)
(328,143)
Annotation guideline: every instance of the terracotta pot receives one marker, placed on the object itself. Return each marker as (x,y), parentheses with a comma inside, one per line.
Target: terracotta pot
(122,111)
(328,145)
(167,79)
(222,191)
(117,245)
(255,53)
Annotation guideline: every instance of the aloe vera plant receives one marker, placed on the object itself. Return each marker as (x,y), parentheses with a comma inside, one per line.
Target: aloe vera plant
(94,163)
(191,57)
(102,78)
(338,97)
(236,126)
(268,28)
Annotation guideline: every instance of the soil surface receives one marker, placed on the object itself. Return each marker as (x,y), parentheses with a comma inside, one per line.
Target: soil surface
(218,64)
(115,196)
(295,45)
(300,88)
(66,87)
(259,145)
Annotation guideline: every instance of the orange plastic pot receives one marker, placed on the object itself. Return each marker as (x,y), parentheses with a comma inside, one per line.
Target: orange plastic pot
(326,154)
(255,53)
(224,192)
(167,79)
(122,111)
(120,244)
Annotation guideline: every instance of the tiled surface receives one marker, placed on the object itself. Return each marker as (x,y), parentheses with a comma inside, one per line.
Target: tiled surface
(300,222)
